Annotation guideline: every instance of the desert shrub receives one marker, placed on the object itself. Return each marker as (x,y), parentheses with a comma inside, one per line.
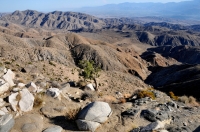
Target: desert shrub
(72,114)
(172,95)
(39,99)
(90,70)
(183,99)
(145,93)
(188,100)
(193,101)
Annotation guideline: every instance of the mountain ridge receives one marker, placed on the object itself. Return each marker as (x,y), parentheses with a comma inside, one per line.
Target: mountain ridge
(181,10)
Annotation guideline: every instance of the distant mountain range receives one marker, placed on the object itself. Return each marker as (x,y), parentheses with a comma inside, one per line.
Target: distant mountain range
(52,20)
(181,10)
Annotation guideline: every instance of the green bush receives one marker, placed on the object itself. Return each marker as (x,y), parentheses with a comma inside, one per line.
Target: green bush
(90,70)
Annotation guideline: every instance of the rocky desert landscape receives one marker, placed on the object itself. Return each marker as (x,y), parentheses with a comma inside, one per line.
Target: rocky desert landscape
(69,71)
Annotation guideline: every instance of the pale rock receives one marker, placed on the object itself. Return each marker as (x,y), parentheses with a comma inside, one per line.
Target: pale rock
(119,95)
(4,88)
(93,115)
(96,111)
(5,70)
(21,85)
(8,77)
(90,87)
(32,87)
(16,90)
(163,131)
(12,100)
(153,126)
(3,111)
(6,123)
(27,100)
(84,125)
(53,92)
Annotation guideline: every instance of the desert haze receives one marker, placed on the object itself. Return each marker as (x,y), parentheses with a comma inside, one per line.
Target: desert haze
(65,71)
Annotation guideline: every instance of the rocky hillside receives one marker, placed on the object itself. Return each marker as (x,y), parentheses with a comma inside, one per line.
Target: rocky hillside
(53,20)
(69,48)
(49,106)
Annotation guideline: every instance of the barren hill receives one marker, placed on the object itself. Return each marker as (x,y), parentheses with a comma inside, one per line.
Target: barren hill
(53,20)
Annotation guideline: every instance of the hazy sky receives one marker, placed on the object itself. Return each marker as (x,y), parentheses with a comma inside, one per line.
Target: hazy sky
(64,5)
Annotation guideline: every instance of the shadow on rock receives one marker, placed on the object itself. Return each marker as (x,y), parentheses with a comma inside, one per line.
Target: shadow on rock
(64,123)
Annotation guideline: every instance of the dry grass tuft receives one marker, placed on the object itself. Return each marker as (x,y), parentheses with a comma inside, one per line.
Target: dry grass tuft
(72,114)
(145,93)
(38,102)
(188,100)
(18,97)
(172,95)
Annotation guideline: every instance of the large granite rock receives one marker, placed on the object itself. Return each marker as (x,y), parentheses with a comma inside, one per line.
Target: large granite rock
(94,114)
(26,101)
(6,123)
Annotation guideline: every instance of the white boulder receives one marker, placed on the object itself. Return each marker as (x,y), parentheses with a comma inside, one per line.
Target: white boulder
(13,101)
(27,100)
(8,77)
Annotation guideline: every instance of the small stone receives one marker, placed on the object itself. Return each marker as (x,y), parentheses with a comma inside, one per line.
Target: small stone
(16,90)
(90,87)
(53,92)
